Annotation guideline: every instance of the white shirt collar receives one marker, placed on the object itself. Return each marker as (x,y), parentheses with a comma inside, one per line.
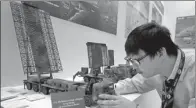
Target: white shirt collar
(174,71)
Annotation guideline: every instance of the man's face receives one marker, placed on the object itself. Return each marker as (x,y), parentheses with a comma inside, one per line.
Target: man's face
(148,66)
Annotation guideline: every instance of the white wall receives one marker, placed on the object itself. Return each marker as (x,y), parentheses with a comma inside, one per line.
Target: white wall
(11,67)
(174,9)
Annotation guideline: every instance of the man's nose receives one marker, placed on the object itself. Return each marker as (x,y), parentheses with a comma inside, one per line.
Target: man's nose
(134,66)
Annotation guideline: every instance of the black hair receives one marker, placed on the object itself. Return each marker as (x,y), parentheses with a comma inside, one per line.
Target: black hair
(151,38)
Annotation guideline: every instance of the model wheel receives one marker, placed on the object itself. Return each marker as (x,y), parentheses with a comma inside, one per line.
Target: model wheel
(45,90)
(35,87)
(87,100)
(93,80)
(29,86)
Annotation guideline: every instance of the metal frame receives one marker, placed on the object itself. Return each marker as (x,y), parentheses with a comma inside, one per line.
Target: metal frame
(24,42)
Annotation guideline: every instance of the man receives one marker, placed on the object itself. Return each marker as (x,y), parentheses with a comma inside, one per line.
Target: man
(160,64)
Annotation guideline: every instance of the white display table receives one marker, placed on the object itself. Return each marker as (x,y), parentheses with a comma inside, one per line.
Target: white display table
(21,100)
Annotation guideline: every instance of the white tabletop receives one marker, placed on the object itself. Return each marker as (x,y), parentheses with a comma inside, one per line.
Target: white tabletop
(22,100)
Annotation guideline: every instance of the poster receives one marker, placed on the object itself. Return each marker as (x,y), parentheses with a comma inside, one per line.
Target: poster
(156,16)
(185,31)
(136,14)
(185,26)
(160,6)
(100,15)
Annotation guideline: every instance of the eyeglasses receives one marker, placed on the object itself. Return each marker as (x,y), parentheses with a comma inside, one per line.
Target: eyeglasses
(138,60)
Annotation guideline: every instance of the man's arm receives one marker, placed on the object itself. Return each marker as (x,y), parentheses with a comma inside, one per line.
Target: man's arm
(130,85)
(192,103)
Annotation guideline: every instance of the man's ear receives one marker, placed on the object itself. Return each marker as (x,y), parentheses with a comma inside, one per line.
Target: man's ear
(161,52)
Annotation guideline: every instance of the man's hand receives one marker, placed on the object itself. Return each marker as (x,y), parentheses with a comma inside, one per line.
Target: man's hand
(113,101)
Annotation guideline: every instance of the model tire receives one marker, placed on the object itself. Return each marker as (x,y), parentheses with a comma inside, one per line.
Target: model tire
(29,86)
(93,80)
(88,101)
(35,87)
(45,90)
